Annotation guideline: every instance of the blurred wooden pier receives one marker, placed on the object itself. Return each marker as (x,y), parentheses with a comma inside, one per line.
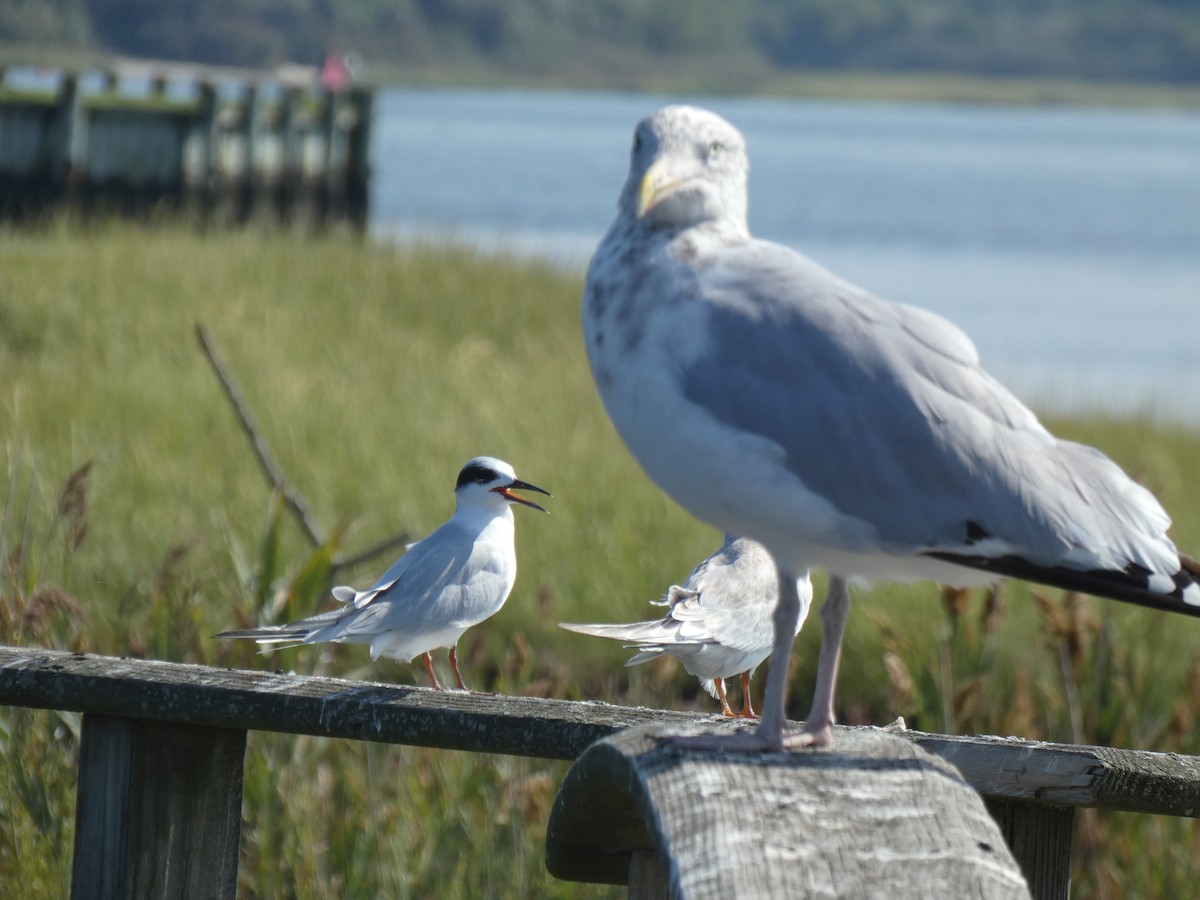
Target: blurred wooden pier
(220,146)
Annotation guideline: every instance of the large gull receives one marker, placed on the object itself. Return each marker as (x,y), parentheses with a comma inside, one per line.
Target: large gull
(775,400)
(456,577)
(717,623)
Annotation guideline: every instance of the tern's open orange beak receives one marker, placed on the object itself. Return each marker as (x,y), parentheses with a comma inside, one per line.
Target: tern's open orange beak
(506,491)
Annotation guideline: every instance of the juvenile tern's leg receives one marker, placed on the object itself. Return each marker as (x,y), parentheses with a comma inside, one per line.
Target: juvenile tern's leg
(428,660)
(769,734)
(454,667)
(818,727)
(720,683)
(747,706)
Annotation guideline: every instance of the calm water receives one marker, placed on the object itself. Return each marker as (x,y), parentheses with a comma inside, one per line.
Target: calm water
(1066,242)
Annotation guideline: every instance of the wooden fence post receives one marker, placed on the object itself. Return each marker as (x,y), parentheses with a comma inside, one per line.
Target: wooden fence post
(1040,838)
(647,877)
(874,816)
(158,811)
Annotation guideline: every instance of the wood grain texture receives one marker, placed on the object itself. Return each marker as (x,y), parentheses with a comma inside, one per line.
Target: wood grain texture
(297,704)
(1072,775)
(647,876)
(1040,838)
(874,817)
(158,812)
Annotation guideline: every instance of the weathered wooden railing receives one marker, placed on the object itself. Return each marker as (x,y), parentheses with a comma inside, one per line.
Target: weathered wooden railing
(160,780)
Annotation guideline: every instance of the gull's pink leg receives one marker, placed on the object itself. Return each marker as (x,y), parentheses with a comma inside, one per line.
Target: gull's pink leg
(818,727)
(787,612)
(428,660)
(720,682)
(454,668)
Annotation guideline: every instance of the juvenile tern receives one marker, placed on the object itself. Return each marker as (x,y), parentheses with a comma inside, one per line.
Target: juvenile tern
(777,401)
(458,576)
(718,623)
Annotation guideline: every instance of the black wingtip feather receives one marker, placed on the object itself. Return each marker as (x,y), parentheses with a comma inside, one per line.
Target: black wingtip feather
(1128,587)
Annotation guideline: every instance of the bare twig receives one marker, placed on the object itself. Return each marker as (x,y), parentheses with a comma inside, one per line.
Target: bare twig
(296,503)
(347,562)
(294,500)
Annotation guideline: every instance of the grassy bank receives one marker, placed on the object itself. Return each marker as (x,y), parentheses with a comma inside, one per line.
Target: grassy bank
(375,373)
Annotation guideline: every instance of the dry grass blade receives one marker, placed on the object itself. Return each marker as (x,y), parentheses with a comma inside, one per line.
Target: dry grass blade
(73,505)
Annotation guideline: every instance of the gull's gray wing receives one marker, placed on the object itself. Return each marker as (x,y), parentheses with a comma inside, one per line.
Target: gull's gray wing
(890,417)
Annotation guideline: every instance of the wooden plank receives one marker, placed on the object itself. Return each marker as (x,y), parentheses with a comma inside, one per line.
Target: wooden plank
(876,816)
(1004,768)
(1072,775)
(296,704)
(1040,838)
(158,811)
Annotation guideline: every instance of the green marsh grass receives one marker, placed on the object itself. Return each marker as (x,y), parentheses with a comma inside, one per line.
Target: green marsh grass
(135,521)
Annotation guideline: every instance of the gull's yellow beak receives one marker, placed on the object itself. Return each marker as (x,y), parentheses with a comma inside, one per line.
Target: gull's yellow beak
(656,180)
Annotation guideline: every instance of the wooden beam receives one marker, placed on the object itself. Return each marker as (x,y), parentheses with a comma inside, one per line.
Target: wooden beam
(876,816)
(1002,768)
(1072,774)
(298,704)
(158,811)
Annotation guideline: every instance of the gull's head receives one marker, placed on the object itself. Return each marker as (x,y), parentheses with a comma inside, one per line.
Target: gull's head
(687,166)
(486,481)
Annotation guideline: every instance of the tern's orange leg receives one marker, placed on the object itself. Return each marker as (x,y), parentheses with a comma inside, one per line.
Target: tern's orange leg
(454,667)
(428,660)
(720,682)
(747,706)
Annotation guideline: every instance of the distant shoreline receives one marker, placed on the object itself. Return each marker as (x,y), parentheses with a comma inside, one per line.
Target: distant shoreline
(693,78)
(908,87)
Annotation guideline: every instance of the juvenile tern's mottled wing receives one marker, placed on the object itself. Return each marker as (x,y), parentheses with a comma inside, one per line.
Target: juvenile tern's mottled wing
(729,598)
(718,623)
(725,603)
